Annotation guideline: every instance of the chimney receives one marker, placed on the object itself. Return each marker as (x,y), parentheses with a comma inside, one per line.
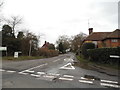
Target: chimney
(45,42)
(90,30)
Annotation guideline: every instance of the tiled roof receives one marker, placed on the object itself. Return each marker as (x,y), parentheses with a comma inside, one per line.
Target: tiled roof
(96,36)
(115,34)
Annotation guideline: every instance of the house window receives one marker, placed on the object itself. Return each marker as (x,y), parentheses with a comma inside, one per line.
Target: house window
(114,40)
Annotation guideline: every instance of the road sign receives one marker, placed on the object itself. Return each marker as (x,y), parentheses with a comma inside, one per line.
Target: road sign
(3,48)
(15,54)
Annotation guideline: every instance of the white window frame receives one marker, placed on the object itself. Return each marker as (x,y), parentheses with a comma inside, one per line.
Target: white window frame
(114,40)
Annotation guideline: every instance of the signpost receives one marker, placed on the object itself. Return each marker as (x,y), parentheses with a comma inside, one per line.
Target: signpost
(15,54)
(3,48)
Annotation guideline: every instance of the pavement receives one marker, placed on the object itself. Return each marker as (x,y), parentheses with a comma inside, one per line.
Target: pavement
(55,72)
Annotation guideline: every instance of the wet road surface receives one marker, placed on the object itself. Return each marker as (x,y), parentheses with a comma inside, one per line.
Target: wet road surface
(56,72)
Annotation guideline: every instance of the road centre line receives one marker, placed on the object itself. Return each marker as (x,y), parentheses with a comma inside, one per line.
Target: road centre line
(53,74)
(56,60)
(107,81)
(10,71)
(49,76)
(84,81)
(1,70)
(28,70)
(110,85)
(68,76)
(68,79)
(35,75)
(38,66)
(40,72)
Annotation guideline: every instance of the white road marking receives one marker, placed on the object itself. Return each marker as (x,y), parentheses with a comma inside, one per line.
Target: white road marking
(86,78)
(23,73)
(83,81)
(40,72)
(109,81)
(66,66)
(10,71)
(68,76)
(29,71)
(38,66)
(49,76)
(68,60)
(68,79)
(53,74)
(35,75)
(56,60)
(1,70)
(110,85)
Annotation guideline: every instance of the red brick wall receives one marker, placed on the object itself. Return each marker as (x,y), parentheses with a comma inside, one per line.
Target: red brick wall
(109,43)
(100,44)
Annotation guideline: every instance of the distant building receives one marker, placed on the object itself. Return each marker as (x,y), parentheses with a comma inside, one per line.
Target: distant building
(45,45)
(48,45)
(104,39)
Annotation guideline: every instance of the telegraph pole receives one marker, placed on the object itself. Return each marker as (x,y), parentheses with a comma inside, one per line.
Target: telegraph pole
(30,47)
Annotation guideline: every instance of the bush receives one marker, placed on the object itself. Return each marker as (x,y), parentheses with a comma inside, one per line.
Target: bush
(102,55)
(85,47)
(47,52)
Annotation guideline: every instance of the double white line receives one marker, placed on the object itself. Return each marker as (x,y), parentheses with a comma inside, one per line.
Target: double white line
(109,83)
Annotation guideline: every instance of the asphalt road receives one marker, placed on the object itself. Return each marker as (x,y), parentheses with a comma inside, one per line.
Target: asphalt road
(55,72)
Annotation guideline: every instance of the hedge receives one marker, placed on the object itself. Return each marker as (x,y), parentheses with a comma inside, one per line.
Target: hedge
(47,52)
(102,55)
(85,47)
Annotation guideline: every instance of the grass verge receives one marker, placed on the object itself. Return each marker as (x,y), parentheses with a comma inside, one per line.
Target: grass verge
(87,63)
(22,58)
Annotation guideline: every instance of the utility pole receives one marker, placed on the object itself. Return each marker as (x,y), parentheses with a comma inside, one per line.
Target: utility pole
(30,47)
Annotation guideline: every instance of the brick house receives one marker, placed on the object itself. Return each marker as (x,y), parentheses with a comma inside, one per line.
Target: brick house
(104,39)
(45,45)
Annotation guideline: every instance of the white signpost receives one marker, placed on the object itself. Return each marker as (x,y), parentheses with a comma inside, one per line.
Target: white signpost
(15,54)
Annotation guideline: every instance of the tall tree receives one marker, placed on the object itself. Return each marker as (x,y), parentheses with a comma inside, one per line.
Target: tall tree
(8,39)
(20,35)
(61,48)
(65,41)
(29,42)
(77,40)
(14,21)
(51,46)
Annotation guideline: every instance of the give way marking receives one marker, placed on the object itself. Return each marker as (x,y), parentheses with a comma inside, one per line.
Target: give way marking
(68,66)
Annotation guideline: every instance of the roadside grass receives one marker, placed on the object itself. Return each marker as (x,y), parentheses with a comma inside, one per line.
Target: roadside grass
(86,63)
(22,58)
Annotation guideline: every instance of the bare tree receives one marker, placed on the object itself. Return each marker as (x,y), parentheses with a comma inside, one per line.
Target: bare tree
(14,21)
(1,4)
(77,40)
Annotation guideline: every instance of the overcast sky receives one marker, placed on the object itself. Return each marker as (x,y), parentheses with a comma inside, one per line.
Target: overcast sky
(63,17)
